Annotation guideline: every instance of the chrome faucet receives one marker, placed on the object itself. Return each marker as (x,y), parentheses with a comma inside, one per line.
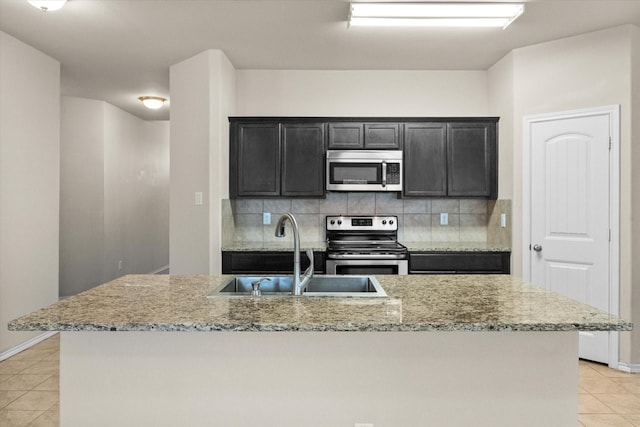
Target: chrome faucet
(299,282)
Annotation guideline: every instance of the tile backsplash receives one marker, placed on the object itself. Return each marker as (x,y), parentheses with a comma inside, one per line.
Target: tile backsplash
(419,219)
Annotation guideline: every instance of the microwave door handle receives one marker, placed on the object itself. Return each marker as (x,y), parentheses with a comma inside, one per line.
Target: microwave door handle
(384,174)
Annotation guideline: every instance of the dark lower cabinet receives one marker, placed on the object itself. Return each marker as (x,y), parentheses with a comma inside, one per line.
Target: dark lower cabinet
(271,262)
(277,262)
(459,263)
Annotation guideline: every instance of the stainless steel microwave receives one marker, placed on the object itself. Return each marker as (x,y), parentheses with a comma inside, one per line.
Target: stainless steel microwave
(364,170)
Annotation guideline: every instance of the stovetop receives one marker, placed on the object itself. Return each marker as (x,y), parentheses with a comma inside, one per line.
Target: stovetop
(364,237)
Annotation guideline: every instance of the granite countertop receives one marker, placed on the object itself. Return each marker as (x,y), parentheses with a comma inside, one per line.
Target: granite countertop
(454,247)
(415,303)
(284,246)
(412,246)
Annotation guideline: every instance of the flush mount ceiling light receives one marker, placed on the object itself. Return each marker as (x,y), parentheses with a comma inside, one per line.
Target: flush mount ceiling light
(434,14)
(152,102)
(48,5)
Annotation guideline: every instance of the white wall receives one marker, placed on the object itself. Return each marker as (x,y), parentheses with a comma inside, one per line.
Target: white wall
(579,72)
(361,93)
(223,103)
(153,208)
(501,93)
(202,98)
(136,194)
(29,183)
(81,194)
(632,268)
(114,194)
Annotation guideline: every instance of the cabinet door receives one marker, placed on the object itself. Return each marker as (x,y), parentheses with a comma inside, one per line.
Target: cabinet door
(425,159)
(472,159)
(381,136)
(254,262)
(346,135)
(255,160)
(303,159)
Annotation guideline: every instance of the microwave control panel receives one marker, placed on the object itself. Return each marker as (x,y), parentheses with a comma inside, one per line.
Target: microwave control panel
(393,173)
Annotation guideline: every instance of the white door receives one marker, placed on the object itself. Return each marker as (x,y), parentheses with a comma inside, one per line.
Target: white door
(569,214)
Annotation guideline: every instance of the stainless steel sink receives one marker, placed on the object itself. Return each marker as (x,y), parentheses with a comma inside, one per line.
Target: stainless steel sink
(320,285)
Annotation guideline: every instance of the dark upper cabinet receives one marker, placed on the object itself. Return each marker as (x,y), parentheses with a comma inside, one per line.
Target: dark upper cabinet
(472,160)
(254,154)
(425,159)
(345,136)
(358,135)
(303,159)
(378,136)
(273,159)
(285,156)
(451,159)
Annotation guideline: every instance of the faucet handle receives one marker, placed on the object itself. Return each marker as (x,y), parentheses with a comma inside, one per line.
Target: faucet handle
(309,270)
(255,286)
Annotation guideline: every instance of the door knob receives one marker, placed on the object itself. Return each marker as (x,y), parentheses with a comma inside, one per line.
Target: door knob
(537,248)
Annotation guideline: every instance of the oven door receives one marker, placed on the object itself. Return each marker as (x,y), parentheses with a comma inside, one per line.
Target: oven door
(367,267)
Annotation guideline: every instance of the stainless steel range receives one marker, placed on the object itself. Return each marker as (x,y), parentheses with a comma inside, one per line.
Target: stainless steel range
(365,245)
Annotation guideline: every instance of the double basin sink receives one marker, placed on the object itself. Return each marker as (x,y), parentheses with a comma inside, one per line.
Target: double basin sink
(320,285)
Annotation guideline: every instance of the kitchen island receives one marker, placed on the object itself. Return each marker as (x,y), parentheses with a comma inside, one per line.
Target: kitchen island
(153,350)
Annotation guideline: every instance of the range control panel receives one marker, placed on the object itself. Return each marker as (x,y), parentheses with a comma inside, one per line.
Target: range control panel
(362,223)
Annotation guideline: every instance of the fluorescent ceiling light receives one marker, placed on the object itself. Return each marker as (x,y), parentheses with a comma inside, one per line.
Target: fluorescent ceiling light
(48,5)
(435,14)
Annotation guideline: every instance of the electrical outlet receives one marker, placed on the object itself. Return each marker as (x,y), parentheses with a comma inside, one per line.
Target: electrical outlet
(266,218)
(444,218)
(503,220)
(120,265)
(199,198)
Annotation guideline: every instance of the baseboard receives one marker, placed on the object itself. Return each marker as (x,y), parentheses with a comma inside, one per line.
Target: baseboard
(161,270)
(632,368)
(25,345)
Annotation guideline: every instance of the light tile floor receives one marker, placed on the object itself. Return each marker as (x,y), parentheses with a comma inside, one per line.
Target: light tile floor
(29,386)
(29,389)
(607,397)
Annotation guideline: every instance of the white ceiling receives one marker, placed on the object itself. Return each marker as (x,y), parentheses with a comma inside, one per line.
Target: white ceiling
(117,50)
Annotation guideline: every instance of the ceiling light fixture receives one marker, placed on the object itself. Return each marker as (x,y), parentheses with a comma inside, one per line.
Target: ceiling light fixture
(47,5)
(434,14)
(152,102)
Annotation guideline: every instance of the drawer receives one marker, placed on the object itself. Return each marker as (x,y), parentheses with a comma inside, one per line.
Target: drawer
(459,262)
